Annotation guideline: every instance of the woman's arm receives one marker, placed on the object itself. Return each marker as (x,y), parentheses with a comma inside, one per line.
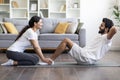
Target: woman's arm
(111,33)
(39,51)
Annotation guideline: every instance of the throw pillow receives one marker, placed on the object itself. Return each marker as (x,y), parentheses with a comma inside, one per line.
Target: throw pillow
(79,26)
(3,28)
(10,28)
(71,28)
(61,27)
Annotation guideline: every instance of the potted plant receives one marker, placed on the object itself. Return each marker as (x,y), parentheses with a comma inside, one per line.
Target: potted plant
(116,13)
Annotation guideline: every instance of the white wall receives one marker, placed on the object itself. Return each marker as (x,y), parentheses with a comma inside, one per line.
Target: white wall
(92,13)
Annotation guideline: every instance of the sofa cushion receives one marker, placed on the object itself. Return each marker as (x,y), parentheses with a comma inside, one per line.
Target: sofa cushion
(10,28)
(50,24)
(19,24)
(57,37)
(51,44)
(71,28)
(4,45)
(61,27)
(1,19)
(8,36)
(80,24)
(1,29)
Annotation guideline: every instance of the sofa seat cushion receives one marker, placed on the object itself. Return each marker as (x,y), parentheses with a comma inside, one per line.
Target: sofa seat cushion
(51,44)
(57,37)
(8,36)
(5,43)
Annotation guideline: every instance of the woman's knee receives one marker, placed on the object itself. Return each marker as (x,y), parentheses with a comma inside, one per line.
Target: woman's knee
(32,60)
(35,60)
(9,54)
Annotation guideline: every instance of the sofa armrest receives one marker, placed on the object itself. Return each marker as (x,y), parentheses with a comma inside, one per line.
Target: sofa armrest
(82,37)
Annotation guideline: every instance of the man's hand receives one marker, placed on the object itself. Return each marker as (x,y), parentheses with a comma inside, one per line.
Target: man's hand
(111,32)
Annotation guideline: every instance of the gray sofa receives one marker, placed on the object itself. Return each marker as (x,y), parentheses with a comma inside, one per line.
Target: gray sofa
(47,38)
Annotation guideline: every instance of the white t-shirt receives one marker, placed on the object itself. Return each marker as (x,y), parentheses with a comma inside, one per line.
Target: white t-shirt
(23,42)
(97,48)
(92,52)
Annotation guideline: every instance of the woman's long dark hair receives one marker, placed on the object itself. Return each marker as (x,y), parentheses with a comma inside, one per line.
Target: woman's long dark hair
(31,24)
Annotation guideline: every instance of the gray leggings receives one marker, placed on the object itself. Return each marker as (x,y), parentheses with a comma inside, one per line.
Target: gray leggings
(23,58)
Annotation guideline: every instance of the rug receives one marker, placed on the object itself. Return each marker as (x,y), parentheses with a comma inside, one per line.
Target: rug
(74,64)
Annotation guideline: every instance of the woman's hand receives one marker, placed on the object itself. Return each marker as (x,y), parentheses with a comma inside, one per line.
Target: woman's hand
(47,60)
(39,52)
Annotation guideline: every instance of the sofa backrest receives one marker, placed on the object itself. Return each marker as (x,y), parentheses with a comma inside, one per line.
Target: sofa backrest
(1,19)
(49,24)
(19,24)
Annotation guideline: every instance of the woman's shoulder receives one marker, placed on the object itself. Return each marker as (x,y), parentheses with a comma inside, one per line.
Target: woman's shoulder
(29,30)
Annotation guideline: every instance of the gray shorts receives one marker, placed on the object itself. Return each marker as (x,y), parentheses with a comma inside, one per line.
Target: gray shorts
(77,54)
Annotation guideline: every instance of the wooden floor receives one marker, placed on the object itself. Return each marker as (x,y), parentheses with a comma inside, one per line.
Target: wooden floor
(82,73)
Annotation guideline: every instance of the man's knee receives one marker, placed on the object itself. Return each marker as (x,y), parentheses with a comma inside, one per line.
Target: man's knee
(66,39)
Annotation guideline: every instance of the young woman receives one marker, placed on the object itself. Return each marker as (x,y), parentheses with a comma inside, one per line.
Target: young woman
(28,36)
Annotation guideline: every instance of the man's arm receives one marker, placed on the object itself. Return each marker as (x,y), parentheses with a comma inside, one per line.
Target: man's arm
(111,33)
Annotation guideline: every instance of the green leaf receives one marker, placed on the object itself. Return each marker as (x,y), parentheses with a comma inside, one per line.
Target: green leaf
(116,13)
(116,7)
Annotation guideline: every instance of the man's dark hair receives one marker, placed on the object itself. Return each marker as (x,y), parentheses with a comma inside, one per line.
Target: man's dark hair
(108,23)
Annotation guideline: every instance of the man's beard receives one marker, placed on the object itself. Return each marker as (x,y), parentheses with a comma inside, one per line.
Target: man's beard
(101,31)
